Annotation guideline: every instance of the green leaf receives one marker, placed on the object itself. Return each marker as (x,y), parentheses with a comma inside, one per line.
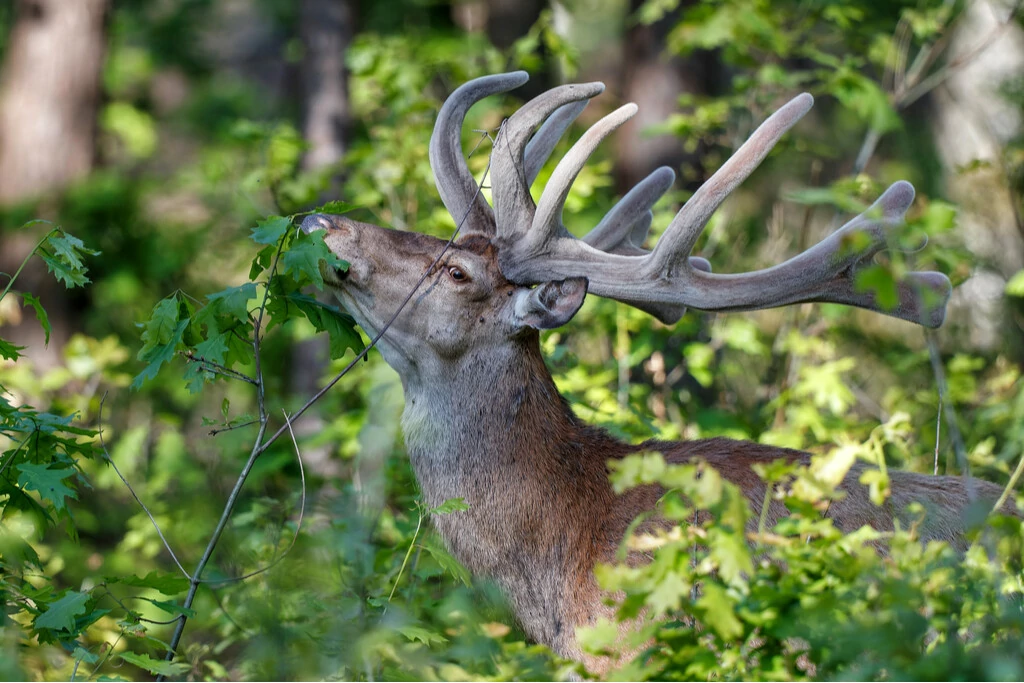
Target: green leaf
(69,249)
(302,260)
(213,349)
(9,351)
(161,324)
(336,207)
(878,280)
(449,506)
(421,634)
(1015,287)
(157,667)
(234,301)
(342,332)
(718,614)
(71,277)
(271,229)
(339,326)
(60,616)
(168,584)
(44,321)
(172,607)
(49,483)
(158,355)
(447,562)
(669,593)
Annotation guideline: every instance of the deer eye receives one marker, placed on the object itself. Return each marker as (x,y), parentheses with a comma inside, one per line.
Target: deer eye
(457,274)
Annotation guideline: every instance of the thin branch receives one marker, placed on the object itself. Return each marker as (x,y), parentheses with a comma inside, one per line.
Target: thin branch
(1010,485)
(954,429)
(929,83)
(16,451)
(405,560)
(217,367)
(234,622)
(106,655)
(106,455)
(215,432)
(10,283)
(298,523)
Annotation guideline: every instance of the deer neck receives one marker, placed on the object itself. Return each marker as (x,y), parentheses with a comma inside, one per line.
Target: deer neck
(491,410)
(494,431)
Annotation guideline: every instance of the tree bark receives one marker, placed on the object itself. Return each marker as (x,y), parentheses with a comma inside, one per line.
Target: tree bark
(325,28)
(50,95)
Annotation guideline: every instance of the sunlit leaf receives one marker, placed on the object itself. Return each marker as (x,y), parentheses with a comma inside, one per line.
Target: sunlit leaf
(60,615)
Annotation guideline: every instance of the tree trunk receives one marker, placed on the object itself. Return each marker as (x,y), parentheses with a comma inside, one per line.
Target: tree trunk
(49,99)
(50,95)
(325,28)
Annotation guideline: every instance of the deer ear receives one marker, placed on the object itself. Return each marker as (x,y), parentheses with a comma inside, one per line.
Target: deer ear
(551,304)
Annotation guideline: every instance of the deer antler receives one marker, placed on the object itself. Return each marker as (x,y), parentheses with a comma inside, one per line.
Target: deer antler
(534,246)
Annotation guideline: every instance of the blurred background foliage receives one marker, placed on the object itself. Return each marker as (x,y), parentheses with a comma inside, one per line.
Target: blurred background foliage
(160,133)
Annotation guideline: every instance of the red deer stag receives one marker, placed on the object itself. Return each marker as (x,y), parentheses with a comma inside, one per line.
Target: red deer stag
(483,420)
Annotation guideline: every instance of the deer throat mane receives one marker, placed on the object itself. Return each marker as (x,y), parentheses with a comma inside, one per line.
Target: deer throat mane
(486,407)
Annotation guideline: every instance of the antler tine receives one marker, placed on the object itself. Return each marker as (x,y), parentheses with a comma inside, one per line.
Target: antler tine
(686,227)
(455,183)
(620,222)
(544,140)
(632,244)
(547,221)
(513,205)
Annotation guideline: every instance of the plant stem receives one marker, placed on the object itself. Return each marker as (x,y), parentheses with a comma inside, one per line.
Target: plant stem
(32,253)
(405,560)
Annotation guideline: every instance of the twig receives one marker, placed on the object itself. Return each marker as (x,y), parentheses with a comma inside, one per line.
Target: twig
(106,656)
(405,560)
(215,432)
(234,622)
(106,455)
(1011,485)
(929,83)
(218,368)
(938,429)
(946,406)
(10,283)
(17,450)
(298,523)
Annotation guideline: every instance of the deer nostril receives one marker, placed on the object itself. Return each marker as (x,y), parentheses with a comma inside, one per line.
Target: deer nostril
(315,222)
